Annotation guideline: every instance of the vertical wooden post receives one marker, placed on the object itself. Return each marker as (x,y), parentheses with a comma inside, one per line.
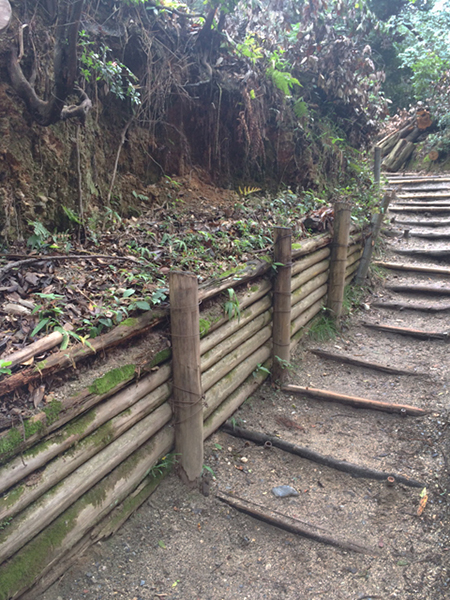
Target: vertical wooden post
(338,258)
(375,224)
(187,386)
(281,331)
(377,165)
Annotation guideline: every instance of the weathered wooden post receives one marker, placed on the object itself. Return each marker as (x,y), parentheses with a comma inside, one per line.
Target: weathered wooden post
(281,302)
(375,226)
(377,165)
(187,385)
(338,259)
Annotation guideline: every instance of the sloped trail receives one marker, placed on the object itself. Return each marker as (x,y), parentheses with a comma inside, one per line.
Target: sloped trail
(184,545)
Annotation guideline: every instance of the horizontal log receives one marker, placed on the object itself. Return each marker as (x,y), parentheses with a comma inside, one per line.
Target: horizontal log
(398,156)
(232,402)
(46,343)
(230,327)
(210,320)
(290,524)
(305,290)
(419,209)
(40,514)
(427,223)
(350,360)
(430,308)
(241,274)
(228,384)
(430,235)
(304,263)
(328,461)
(408,195)
(68,358)
(18,498)
(355,401)
(416,179)
(311,245)
(416,333)
(307,309)
(444,253)
(418,289)
(231,343)
(70,408)
(412,204)
(412,267)
(234,358)
(308,274)
(42,553)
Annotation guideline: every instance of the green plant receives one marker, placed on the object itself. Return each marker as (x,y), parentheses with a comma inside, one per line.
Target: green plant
(260,369)
(323,329)
(231,306)
(48,312)
(285,364)
(208,469)
(4,364)
(166,463)
(250,49)
(121,82)
(39,239)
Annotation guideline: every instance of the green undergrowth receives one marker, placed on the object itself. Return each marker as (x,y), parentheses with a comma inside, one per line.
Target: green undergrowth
(323,329)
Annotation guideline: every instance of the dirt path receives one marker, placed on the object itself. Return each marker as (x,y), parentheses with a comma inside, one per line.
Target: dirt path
(184,545)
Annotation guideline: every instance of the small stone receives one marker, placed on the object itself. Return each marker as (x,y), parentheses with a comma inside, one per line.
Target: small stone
(244,459)
(283,491)
(16,309)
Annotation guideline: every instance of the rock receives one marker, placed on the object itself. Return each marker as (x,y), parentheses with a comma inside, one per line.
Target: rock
(283,491)
(16,309)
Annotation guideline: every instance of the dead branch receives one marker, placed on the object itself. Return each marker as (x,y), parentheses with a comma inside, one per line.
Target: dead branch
(327,461)
(273,517)
(355,401)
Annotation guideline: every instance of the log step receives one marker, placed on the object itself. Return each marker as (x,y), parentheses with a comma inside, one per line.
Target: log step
(363,363)
(419,289)
(430,223)
(419,209)
(430,308)
(430,235)
(415,333)
(445,253)
(424,195)
(411,267)
(403,409)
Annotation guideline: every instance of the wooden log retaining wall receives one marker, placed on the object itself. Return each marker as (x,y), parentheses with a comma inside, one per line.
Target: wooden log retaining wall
(75,478)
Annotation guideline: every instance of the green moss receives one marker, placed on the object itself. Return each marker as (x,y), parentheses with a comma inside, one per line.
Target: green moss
(254,288)
(205,326)
(233,271)
(78,426)
(296,246)
(101,437)
(32,427)
(38,448)
(9,443)
(160,357)
(52,411)
(110,380)
(11,497)
(130,322)
(40,366)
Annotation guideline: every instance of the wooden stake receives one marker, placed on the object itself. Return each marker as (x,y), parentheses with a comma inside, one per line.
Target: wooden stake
(354,401)
(377,165)
(187,386)
(377,220)
(338,261)
(281,331)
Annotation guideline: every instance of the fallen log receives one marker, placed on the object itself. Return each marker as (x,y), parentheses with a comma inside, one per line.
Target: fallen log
(39,556)
(355,401)
(431,308)
(272,517)
(46,343)
(419,289)
(416,333)
(398,156)
(327,461)
(430,235)
(65,359)
(412,267)
(363,363)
